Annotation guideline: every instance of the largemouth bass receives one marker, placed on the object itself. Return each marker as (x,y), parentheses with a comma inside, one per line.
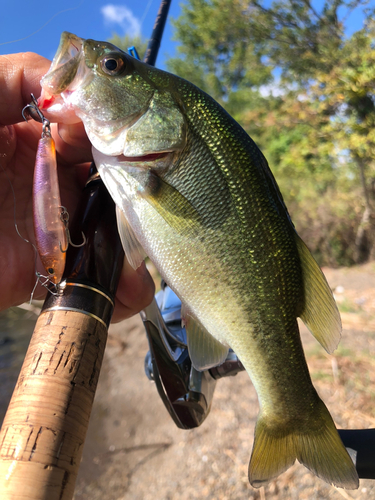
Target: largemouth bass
(196,195)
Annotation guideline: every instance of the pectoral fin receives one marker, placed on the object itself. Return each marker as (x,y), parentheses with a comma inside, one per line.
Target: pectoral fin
(175,209)
(205,351)
(132,248)
(319,311)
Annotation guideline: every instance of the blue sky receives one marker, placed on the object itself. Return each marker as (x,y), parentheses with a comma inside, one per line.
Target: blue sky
(84,18)
(91,19)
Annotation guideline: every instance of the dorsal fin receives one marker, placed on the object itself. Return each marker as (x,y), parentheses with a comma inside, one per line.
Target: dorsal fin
(319,310)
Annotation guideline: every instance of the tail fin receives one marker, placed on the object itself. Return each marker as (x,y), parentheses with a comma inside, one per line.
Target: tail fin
(319,448)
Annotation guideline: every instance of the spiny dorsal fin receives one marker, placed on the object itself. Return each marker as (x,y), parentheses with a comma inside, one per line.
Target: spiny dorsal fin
(319,310)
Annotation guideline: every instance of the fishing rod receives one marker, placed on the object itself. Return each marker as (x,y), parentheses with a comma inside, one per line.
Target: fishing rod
(44,429)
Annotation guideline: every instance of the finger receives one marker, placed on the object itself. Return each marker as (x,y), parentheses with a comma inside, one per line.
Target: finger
(135,291)
(74,135)
(73,144)
(20,75)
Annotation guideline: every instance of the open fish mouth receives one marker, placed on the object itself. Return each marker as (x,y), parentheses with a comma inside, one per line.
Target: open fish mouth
(65,75)
(65,66)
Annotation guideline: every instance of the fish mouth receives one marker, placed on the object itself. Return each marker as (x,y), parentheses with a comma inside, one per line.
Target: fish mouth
(64,76)
(65,65)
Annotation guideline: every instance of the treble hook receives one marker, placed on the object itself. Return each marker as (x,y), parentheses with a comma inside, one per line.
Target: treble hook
(39,116)
(64,216)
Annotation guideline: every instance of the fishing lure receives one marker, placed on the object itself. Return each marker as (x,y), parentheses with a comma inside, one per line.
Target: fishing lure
(50,217)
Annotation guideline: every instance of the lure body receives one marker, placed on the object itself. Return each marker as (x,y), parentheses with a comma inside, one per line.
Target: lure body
(50,233)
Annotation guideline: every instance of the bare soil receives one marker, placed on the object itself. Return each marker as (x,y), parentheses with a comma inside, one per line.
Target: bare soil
(134,451)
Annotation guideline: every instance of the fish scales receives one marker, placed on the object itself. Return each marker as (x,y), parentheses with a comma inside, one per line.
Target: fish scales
(248,271)
(196,195)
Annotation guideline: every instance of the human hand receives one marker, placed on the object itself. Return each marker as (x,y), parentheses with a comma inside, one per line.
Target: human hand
(20,75)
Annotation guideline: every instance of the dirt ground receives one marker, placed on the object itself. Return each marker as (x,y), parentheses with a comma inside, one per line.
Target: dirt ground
(134,451)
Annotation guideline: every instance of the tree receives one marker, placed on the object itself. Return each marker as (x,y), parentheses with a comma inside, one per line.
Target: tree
(219,49)
(346,97)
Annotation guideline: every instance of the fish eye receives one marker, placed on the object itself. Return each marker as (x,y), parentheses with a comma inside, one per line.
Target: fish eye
(51,271)
(113,64)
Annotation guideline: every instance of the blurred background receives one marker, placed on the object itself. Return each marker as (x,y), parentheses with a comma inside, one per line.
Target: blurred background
(299,76)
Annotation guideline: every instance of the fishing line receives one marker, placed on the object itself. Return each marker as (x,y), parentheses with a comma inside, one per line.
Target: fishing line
(146,11)
(39,276)
(45,24)
(14,208)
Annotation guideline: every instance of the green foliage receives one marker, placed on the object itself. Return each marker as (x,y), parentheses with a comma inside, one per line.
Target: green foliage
(218,48)
(314,121)
(346,96)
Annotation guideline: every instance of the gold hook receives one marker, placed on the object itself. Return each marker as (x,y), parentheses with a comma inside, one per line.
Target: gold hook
(64,216)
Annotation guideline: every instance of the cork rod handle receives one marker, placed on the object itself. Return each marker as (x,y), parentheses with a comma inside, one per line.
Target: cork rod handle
(42,437)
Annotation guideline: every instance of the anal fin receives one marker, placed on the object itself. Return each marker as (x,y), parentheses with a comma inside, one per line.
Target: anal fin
(204,350)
